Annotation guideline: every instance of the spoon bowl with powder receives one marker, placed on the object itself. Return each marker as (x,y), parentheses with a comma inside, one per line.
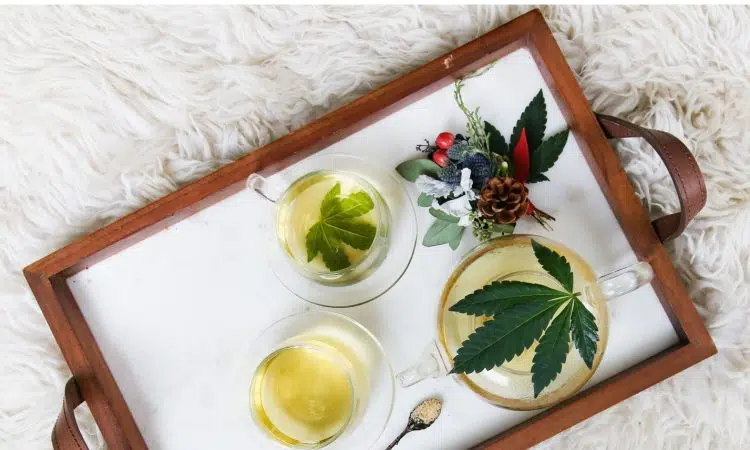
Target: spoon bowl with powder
(422,416)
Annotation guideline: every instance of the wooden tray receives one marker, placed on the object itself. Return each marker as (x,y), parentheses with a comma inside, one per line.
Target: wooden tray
(145,308)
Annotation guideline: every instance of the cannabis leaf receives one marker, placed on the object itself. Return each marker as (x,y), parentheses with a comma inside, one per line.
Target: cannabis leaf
(505,336)
(523,313)
(552,351)
(338,225)
(497,141)
(585,332)
(534,120)
(544,157)
(554,264)
(499,296)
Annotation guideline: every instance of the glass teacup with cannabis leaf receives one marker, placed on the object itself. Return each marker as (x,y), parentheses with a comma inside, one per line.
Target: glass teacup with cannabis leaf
(332,225)
(523,322)
(333,241)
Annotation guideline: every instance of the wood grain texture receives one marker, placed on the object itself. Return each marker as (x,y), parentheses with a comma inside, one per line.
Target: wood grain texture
(47,276)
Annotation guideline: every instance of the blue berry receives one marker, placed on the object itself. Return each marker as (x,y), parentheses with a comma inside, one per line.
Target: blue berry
(459,150)
(481,169)
(450,174)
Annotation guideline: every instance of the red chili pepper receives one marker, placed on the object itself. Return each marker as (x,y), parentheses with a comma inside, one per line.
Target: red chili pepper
(521,162)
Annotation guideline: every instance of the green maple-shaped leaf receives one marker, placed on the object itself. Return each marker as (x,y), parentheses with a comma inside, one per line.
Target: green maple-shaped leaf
(497,141)
(552,351)
(506,336)
(544,157)
(339,225)
(554,264)
(499,296)
(584,331)
(534,120)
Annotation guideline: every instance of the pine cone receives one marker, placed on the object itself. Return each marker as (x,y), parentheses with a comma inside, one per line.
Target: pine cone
(503,200)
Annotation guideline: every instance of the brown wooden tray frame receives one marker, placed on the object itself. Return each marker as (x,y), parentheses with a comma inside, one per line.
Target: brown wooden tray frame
(47,277)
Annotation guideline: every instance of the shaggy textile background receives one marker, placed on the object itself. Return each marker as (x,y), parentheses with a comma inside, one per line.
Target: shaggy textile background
(107,109)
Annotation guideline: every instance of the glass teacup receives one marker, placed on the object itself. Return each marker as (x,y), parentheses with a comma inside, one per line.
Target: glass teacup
(357,204)
(348,255)
(320,379)
(512,258)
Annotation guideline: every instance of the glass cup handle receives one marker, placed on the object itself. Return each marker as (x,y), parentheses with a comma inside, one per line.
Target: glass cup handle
(625,280)
(259,184)
(429,365)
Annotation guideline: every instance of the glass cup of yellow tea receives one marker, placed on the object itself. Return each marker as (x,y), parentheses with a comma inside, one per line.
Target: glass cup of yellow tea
(324,383)
(511,259)
(333,228)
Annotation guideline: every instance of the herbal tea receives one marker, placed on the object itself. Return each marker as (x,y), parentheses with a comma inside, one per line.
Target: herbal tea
(332,222)
(512,258)
(316,385)
(302,395)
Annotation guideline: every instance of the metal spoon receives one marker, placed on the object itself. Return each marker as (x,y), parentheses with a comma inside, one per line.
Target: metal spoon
(422,416)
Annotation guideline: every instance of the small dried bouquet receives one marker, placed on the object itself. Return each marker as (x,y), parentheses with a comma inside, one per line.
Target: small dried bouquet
(480,180)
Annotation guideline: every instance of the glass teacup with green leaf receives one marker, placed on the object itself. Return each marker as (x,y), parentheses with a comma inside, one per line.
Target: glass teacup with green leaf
(332,225)
(523,322)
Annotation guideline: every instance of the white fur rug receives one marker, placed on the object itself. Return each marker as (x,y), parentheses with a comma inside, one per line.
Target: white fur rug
(107,109)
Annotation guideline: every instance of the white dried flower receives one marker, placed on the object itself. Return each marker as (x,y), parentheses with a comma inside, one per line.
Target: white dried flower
(465,186)
(458,207)
(431,186)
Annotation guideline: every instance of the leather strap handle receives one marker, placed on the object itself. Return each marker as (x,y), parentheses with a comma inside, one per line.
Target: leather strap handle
(682,167)
(66,435)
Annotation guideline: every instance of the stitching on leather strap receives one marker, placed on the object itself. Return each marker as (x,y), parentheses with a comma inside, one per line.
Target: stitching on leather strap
(677,179)
(55,441)
(70,430)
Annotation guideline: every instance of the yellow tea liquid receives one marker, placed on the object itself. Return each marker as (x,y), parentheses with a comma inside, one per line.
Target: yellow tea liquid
(299,210)
(306,393)
(302,396)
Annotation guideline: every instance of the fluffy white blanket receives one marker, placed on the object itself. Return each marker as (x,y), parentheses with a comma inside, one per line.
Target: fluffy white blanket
(107,109)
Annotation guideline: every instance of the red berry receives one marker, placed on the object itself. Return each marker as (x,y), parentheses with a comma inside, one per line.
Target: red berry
(440,157)
(445,140)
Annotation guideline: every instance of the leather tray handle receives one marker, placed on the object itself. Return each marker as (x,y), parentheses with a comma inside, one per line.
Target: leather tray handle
(682,167)
(65,434)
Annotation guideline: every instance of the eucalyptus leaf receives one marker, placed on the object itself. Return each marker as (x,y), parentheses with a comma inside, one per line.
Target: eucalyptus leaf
(424,200)
(411,169)
(441,232)
(442,215)
(456,241)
